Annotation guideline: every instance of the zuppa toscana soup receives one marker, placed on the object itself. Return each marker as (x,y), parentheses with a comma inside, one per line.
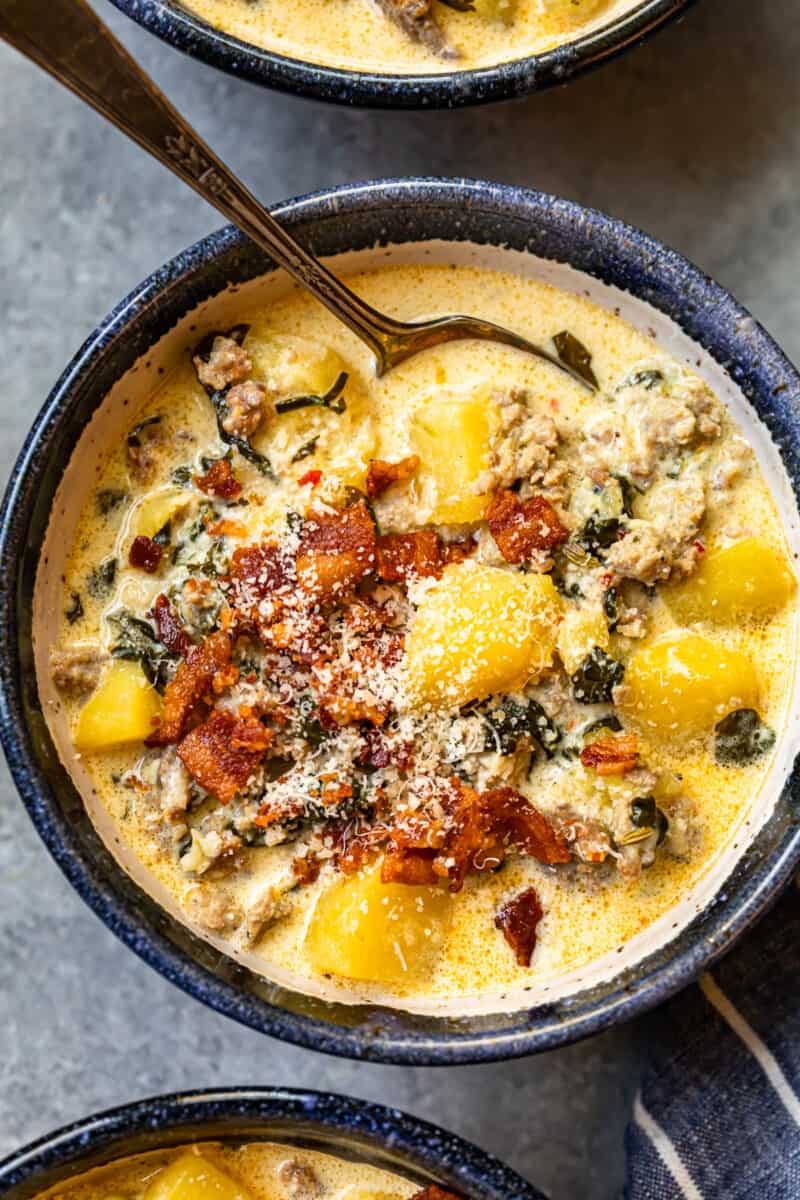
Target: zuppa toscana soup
(251,1171)
(406,36)
(436,686)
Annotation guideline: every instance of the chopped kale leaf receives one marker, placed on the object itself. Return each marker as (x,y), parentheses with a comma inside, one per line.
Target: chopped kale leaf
(332,399)
(101,579)
(75,610)
(574,355)
(742,737)
(596,677)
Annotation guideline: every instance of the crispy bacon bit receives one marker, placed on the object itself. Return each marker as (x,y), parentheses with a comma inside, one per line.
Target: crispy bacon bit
(311,478)
(478,830)
(404,556)
(337,549)
(223,752)
(219,480)
(521,527)
(612,755)
(306,868)
(521,825)
(518,920)
(145,554)
(170,627)
(206,670)
(381,475)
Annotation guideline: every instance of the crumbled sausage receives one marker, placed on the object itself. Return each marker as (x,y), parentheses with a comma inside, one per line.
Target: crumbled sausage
(77,671)
(245,408)
(518,920)
(299,1179)
(227,363)
(213,910)
(415,18)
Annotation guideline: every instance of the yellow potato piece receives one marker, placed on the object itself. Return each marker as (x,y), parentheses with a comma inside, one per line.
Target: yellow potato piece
(294,366)
(122,709)
(578,634)
(746,579)
(452,437)
(480,630)
(192,1177)
(155,510)
(364,929)
(684,684)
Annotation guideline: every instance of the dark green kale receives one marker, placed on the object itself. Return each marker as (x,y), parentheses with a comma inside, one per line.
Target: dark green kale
(75,610)
(136,641)
(596,677)
(332,399)
(135,436)
(107,499)
(306,450)
(599,533)
(611,607)
(742,737)
(573,354)
(100,580)
(182,476)
(645,814)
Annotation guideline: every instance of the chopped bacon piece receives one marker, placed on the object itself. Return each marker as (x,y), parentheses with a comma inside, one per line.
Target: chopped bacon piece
(217,756)
(259,573)
(612,755)
(337,549)
(306,868)
(145,554)
(219,480)
(413,867)
(206,669)
(518,920)
(170,627)
(478,830)
(404,556)
(520,824)
(381,475)
(521,527)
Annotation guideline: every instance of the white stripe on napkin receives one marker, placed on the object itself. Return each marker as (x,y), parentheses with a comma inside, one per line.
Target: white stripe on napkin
(760,1051)
(666,1150)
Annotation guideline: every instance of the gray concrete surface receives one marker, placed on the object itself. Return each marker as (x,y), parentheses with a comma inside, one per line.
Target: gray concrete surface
(694,137)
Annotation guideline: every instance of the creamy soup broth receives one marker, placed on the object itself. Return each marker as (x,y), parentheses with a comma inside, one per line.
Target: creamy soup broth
(493,666)
(400,36)
(251,1171)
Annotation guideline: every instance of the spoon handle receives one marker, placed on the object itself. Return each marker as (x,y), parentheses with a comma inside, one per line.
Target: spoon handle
(69,41)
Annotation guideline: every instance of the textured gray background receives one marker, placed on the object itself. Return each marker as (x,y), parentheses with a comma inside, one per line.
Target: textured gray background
(696,138)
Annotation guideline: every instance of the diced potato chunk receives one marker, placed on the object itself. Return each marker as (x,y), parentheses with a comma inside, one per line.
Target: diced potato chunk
(152,514)
(480,630)
(580,631)
(123,709)
(452,436)
(192,1177)
(294,366)
(390,933)
(747,579)
(684,684)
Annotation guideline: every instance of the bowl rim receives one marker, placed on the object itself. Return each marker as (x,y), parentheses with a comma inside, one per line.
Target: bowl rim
(613,251)
(509,80)
(390,1135)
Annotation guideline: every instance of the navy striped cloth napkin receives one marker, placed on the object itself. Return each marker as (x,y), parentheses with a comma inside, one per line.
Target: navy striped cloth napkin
(718,1114)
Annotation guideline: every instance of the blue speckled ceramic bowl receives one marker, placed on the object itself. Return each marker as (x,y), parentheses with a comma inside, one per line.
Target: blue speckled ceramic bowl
(505,81)
(337,1125)
(575,246)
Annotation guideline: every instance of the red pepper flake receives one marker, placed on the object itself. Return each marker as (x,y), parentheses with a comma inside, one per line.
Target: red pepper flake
(145,554)
(699,547)
(310,477)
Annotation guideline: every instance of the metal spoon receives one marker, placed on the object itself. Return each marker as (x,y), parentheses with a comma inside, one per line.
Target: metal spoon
(69,41)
